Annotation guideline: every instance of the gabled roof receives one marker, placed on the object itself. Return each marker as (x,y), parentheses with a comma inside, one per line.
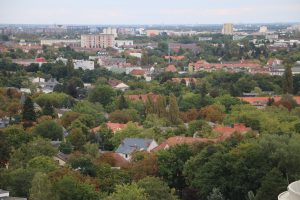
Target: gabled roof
(114,82)
(129,145)
(113,126)
(264,100)
(178,58)
(41,59)
(227,131)
(177,140)
(171,68)
(137,72)
(121,85)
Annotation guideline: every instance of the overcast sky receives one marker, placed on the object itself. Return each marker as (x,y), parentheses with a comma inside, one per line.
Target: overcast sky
(148,11)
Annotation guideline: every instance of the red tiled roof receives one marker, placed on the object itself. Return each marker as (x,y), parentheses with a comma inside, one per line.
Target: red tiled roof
(41,59)
(242,64)
(137,72)
(264,100)
(172,141)
(178,58)
(171,68)
(227,131)
(113,126)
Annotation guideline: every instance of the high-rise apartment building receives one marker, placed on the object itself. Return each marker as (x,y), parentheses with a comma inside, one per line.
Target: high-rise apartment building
(263,29)
(97,41)
(227,29)
(110,30)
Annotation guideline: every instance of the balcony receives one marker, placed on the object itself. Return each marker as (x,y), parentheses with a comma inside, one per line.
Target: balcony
(293,192)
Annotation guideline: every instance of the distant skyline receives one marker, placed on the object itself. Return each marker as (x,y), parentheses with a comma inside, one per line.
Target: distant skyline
(148,12)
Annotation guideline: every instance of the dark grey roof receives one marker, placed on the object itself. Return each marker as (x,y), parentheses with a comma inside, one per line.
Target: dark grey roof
(130,145)
(62,156)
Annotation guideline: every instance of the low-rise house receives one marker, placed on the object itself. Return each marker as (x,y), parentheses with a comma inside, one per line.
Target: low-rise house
(224,131)
(227,131)
(119,85)
(38,80)
(84,64)
(175,58)
(138,73)
(49,85)
(61,158)
(177,140)
(131,145)
(171,68)
(242,66)
(113,126)
(261,102)
(4,122)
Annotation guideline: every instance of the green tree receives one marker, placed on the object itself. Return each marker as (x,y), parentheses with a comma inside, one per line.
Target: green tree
(102,94)
(272,184)
(173,111)
(128,192)
(77,138)
(38,147)
(66,147)
(41,188)
(48,109)
(171,163)
(28,113)
(215,195)
(287,82)
(49,129)
(103,137)
(156,189)
(122,103)
(68,188)
(43,164)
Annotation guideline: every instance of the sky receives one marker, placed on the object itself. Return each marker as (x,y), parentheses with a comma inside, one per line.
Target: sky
(148,11)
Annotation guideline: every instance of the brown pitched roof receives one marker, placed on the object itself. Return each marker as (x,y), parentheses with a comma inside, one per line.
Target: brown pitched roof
(171,68)
(226,132)
(138,72)
(113,126)
(172,141)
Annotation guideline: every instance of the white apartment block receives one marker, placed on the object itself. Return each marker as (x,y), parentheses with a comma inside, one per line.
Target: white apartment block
(110,30)
(119,43)
(97,41)
(67,42)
